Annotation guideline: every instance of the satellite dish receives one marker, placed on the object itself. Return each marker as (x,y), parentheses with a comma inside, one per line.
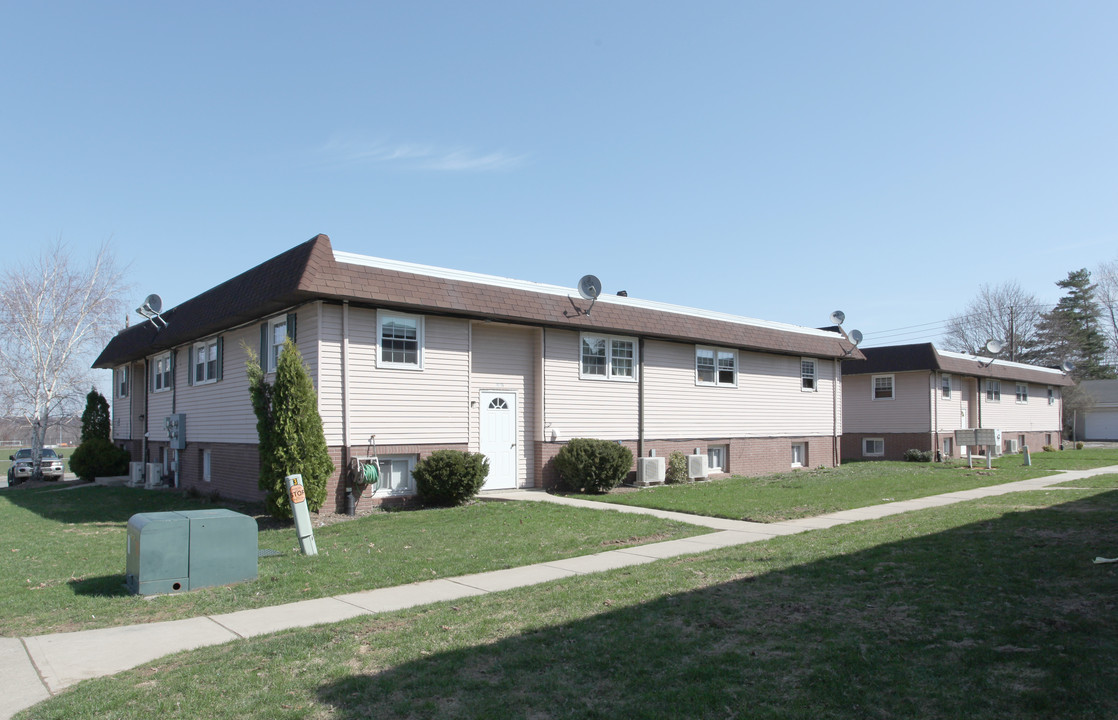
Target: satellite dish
(589,287)
(1067,365)
(856,337)
(154,303)
(994,346)
(838,317)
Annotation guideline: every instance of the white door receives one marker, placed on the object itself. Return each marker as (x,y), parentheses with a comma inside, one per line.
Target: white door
(498,438)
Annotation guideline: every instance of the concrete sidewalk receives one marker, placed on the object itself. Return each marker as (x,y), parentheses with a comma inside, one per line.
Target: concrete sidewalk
(36,667)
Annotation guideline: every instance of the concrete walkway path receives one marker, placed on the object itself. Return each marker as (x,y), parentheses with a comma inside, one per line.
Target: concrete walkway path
(34,668)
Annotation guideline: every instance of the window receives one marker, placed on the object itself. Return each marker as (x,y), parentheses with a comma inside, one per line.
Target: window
(1051,396)
(873,447)
(716,458)
(605,357)
(716,366)
(949,447)
(945,386)
(161,373)
(994,390)
(799,454)
(401,340)
(206,465)
(395,475)
(1022,393)
(122,381)
(1047,438)
(807,376)
(277,336)
(882,387)
(206,361)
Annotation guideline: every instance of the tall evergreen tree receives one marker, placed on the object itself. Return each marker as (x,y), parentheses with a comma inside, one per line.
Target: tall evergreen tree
(95,419)
(1071,330)
(290,431)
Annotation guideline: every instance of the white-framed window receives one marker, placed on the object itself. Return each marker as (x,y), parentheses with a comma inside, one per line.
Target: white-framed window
(945,386)
(716,366)
(206,361)
(277,336)
(401,340)
(395,475)
(207,465)
(873,447)
(120,376)
(716,458)
(994,390)
(799,454)
(882,387)
(809,380)
(161,373)
(949,447)
(1051,396)
(1022,393)
(607,357)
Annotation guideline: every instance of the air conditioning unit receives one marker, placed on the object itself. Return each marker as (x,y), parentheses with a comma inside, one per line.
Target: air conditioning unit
(650,470)
(1011,446)
(154,476)
(135,474)
(697,467)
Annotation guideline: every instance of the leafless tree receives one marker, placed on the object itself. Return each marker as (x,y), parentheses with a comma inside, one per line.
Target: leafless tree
(1106,277)
(55,314)
(1005,313)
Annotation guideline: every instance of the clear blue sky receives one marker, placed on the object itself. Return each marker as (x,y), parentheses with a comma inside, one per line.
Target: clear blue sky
(772,159)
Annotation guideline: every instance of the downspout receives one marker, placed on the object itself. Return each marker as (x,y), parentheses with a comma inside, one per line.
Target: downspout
(933,411)
(350,500)
(640,398)
(144,444)
(835,457)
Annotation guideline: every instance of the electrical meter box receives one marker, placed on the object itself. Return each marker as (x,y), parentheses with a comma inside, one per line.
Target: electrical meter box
(171,552)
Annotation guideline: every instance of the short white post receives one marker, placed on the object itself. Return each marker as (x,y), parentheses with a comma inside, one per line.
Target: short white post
(298,497)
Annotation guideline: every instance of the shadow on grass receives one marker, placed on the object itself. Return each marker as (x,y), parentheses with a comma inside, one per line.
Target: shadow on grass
(100,586)
(1005,617)
(98,503)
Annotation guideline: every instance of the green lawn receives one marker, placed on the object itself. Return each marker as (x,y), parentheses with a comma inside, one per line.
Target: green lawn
(63,554)
(986,609)
(808,493)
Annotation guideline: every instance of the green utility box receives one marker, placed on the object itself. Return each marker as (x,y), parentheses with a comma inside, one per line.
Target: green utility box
(170,552)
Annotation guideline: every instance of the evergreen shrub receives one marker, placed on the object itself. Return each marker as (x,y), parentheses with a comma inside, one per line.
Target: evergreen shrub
(914,455)
(592,466)
(98,457)
(677,468)
(450,477)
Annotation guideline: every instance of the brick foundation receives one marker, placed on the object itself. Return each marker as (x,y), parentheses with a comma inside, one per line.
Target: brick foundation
(747,456)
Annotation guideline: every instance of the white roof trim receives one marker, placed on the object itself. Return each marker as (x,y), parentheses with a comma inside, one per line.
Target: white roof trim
(510,283)
(999,361)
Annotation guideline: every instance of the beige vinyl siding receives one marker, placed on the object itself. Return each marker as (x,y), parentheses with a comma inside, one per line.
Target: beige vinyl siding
(909,410)
(950,414)
(767,401)
(160,403)
(401,406)
(503,358)
(573,407)
(329,371)
(1010,416)
(122,408)
(219,411)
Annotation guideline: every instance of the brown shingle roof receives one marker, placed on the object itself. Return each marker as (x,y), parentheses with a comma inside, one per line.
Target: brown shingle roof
(310,271)
(925,356)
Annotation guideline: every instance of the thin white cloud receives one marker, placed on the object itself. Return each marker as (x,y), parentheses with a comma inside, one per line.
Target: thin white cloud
(418,156)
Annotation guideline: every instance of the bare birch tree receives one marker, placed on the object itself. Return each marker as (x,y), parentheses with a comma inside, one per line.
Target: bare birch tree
(1106,276)
(1005,313)
(55,315)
